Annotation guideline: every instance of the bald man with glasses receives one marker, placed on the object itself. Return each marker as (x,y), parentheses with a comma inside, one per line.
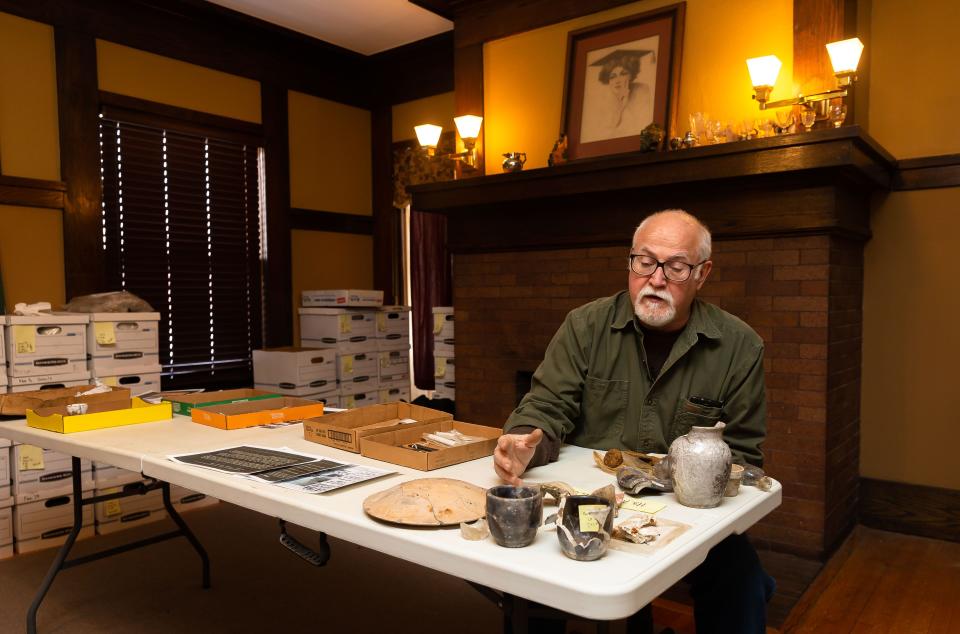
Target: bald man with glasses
(637,370)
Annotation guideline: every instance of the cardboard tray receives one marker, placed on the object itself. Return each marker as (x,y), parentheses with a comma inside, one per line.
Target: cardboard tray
(344,430)
(17,403)
(57,420)
(282,409)
(183,404)
(387,446)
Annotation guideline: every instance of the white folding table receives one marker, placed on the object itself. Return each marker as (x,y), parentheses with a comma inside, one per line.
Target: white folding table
(614,587)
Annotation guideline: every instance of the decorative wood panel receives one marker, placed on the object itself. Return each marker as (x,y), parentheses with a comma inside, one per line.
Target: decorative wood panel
(31,192)
(929,172)
(278,327)
(910,508)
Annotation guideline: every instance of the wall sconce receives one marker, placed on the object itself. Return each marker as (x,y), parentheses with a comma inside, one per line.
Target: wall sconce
(468,127)
(844,56)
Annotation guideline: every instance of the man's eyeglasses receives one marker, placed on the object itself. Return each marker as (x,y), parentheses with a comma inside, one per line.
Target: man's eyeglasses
(673,270)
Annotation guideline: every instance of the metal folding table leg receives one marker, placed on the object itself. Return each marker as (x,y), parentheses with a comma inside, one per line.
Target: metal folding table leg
(186,532)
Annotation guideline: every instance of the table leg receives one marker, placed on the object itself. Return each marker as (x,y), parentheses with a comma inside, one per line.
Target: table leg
(186,532)
(57,564)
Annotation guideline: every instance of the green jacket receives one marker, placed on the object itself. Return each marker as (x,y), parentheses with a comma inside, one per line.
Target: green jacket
(593,388)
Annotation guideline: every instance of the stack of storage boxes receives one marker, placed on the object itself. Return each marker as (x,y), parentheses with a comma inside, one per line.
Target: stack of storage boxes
(46,351)
(43,493)
(302,372)
(125,350)
(6,501)
(346,322)
(443,358)
(114,515)
(3,363)
(393,353)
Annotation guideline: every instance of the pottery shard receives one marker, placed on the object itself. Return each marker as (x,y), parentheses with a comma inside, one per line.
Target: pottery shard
(428,502)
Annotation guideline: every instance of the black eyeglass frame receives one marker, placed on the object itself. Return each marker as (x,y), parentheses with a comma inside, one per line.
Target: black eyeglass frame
(662,265)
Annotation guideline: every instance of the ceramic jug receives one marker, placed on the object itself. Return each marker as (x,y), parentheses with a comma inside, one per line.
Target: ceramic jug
(700,466)
(513,161)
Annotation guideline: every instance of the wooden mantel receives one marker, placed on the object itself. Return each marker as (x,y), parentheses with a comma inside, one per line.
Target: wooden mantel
(526,210)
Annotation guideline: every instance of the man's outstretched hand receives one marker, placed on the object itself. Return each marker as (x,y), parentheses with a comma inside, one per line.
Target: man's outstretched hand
(513,454)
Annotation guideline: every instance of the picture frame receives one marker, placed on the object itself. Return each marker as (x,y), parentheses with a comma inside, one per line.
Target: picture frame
(622,76)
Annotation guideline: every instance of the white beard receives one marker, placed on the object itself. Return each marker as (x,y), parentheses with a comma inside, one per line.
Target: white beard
(658,315)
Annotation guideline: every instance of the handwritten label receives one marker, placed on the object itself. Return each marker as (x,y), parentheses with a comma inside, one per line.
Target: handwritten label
(25,339)
(112,381)
(587,523)
(346,364)
(345,327)
(112,507)
(31,458)
(104,333)
(437,323)
(440,367)
(381,322)
(644,506)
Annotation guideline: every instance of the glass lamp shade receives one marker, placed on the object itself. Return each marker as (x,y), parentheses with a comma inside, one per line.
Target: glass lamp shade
(428,134)
(764,70)
(845,55)
(468,126)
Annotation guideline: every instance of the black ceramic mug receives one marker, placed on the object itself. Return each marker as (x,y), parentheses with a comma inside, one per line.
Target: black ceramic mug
(514,514)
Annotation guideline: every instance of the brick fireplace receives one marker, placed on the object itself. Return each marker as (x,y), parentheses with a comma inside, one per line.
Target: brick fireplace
(789,222)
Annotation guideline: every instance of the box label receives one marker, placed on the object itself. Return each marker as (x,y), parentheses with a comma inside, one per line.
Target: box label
(437,323)
(105,335)
(440,370)
(31,458)
(588,524)
(344,324)
(25,339)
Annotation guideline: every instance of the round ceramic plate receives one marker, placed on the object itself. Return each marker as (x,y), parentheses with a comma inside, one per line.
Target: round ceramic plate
(428,502)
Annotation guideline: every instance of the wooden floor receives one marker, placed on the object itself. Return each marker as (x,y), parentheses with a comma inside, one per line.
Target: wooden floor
(885,583)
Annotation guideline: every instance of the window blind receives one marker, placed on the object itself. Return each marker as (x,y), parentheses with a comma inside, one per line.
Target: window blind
(181,224)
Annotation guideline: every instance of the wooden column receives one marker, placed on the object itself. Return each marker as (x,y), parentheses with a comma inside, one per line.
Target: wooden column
(815,24)
(386,226)
(468,95)
(278,303)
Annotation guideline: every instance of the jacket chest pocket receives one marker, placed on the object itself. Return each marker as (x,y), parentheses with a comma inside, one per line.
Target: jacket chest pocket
(692,415)
(603,411)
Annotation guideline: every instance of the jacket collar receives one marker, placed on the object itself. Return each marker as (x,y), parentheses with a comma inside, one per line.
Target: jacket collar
(700,322)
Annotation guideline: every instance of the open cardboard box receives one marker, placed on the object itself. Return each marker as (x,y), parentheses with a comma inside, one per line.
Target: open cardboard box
(17,403)
(344,430)
(388,446)
(183,403)
(283,409)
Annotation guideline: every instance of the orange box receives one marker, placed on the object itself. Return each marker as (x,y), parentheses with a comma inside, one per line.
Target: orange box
(283,409)
(388,446)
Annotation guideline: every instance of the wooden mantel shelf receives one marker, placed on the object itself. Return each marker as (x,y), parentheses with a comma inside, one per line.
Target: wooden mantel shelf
(801,183)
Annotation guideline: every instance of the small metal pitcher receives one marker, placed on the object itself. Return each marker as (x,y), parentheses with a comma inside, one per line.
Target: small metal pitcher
(513,161)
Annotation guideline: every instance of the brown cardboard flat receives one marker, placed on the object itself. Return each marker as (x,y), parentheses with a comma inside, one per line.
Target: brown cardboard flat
(17,403)
(344,430)
(282,409)
(388,446)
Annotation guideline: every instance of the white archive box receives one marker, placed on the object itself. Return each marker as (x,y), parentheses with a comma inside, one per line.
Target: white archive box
(356,365)
(186,500)
(445,389)
(5,473)
(118,342)
(46,344)
(394,366)
(46,523)
(116,515)
(444,368)
(137,380)
(346,330)
(393,342)
(3,377)
(42,473)
(443,322)
(48,381)
(392,394)
(105,477)
(320,390)
(443,347)
(3,348)
(6,533)
(295,371)
(342,297)
(360,399)
(393,320)
(359,384)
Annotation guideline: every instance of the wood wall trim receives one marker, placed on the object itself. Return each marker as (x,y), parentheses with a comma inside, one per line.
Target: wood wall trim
(414,71)
(134,110)
(928,172)
(276,280)
(31,192)
(815,24)
(468,98)
(334,222)
(77,103)
(910,508)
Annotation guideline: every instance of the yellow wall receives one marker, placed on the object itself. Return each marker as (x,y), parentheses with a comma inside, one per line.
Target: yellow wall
(911,290)
(437,110)
(328,260)
(136,73)
(31,240)
(524,74)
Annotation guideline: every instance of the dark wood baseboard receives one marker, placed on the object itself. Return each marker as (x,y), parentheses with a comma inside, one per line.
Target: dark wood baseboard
(910,508)
(928,172)
(310,220)
(31,192)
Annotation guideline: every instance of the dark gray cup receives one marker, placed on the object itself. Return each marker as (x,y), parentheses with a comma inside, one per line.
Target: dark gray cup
(514,514)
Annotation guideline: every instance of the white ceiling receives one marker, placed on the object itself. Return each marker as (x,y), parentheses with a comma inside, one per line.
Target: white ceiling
(364,26)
